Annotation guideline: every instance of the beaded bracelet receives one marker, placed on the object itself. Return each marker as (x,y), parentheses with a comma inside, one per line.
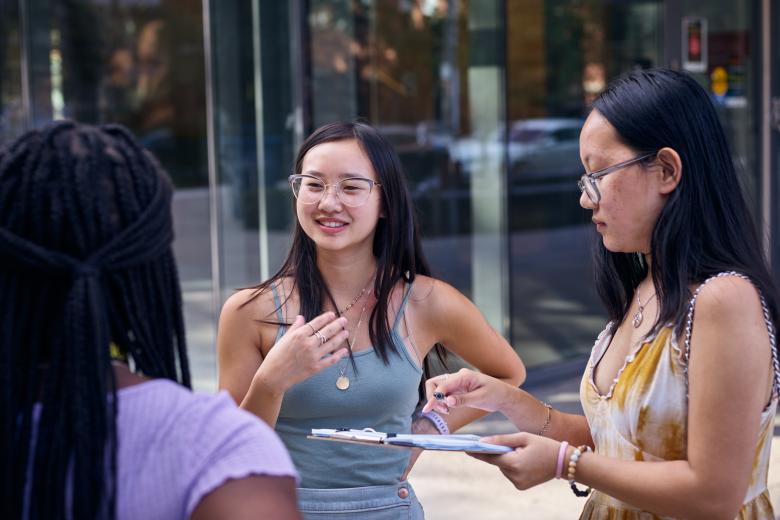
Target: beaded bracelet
(575,456)
(437,421)
(546,421)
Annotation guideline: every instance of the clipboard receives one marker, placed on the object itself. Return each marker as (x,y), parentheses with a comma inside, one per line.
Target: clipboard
(455,442)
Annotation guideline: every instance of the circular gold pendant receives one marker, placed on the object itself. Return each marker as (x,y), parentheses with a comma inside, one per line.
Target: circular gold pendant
(342,383)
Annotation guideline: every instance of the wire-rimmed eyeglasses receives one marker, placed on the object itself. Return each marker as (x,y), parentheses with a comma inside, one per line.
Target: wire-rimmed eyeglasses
(587,182)
(352,191)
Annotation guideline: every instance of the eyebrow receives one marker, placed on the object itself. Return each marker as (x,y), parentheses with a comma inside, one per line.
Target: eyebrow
(345,175)
(587,159)
(585,162)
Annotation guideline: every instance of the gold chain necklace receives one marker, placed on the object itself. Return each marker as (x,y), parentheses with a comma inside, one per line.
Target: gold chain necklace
(357,298)
(639,316)
(342,382)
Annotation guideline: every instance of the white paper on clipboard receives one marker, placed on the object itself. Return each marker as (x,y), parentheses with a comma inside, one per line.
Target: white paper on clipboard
(455,442)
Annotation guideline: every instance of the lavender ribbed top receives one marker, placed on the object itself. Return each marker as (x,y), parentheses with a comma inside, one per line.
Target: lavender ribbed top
(176,446)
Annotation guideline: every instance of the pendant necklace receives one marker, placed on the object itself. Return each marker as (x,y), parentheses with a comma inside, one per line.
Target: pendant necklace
(639,316)
(342,382)
(357,299)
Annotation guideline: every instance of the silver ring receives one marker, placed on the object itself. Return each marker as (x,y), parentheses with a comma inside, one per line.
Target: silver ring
(313,330)
(321,337)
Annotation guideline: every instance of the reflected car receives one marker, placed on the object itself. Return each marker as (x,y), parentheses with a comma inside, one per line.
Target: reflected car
(536,148)
(544,148)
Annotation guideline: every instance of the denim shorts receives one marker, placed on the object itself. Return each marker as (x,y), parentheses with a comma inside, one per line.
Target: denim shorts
(390,502)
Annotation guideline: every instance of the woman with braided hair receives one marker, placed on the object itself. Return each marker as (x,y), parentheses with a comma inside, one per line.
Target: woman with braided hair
(85,245)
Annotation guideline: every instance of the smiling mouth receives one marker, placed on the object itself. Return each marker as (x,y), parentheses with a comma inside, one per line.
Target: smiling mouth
(331,224)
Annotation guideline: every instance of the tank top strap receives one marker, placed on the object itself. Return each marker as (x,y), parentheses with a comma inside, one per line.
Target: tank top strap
(278,303)
(767,321)
(402,308)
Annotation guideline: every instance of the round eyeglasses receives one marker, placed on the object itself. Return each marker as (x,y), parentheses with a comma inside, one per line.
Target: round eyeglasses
(352,191)
(587,182)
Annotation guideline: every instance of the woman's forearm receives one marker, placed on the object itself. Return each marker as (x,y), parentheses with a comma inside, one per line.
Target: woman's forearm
(529,414)
(263,400)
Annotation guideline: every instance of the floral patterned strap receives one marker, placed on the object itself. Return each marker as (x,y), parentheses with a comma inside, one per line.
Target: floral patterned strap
(767,320)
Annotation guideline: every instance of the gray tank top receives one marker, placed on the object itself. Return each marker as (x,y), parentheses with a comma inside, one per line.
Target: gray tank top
(380,396)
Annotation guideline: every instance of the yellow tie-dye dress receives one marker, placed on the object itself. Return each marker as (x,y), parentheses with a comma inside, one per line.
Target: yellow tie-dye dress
(644,416)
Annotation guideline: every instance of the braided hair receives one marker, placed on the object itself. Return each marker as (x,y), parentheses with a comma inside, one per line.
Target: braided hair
(85,235)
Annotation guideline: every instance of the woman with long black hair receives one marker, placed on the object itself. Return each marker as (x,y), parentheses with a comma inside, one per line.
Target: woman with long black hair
(339,336)
(681,388)
(88,274)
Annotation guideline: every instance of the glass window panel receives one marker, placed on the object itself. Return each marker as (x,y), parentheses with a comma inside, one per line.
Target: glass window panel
(728,71)
(139,64)
(560,55)
(12,113)
(253,110)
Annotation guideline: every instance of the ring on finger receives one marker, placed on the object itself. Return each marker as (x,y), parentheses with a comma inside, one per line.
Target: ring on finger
(313,330)
(321,337)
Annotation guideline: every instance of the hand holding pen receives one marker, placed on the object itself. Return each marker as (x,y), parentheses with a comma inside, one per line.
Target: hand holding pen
(466,388)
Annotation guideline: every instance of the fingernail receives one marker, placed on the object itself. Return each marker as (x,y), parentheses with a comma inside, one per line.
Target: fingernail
(450,401)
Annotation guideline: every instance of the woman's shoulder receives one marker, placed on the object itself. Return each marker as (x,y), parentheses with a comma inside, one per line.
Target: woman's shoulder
(206,440)
(256,303)
(726,297)
(165,406)
(726,310)
(435,296)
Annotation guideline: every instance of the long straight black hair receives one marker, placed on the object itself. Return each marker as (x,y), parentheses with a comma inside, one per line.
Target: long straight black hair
(85,234)
(705,227)
(396,244)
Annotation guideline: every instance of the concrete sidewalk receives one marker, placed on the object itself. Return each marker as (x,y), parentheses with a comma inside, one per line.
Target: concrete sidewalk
(453,486)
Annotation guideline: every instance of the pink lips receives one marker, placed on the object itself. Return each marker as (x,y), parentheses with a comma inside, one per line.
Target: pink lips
(599,224)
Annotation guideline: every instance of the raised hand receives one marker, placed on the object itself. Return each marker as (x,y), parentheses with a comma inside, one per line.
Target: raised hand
(304,350)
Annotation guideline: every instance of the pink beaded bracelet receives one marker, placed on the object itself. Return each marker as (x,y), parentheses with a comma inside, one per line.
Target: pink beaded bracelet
(561,455)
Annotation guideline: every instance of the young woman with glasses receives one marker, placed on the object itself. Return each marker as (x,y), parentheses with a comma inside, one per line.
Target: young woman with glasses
(681,388)
(340,335)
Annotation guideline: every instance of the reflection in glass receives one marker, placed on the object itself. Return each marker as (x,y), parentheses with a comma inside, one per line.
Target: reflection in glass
(553,73)
(729,74)
(139,64)
(12,110)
